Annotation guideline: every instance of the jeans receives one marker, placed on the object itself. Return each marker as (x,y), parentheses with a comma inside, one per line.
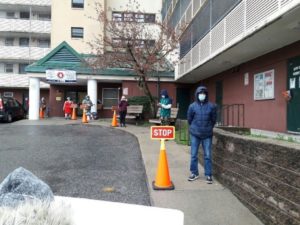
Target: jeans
(206,145)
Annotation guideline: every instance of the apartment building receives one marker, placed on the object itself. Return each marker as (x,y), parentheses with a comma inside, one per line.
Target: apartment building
(247,52)
(25,30)
(74,25)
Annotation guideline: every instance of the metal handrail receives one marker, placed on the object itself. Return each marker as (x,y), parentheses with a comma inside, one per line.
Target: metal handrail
(231,115)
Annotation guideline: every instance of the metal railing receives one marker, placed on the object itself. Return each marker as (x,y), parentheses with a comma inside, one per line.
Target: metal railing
(242,21)
(231,115)
(22,25)
(227,115)
(28,53)
(27,2)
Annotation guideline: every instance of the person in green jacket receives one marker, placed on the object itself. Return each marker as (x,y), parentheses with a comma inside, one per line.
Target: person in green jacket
(165,105)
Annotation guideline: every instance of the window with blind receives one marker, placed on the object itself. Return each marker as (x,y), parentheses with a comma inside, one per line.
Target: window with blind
(110,97)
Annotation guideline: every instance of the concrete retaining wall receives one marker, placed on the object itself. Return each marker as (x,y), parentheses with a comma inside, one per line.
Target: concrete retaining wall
(263,173)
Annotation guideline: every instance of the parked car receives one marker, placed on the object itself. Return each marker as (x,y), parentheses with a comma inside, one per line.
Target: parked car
(11,109)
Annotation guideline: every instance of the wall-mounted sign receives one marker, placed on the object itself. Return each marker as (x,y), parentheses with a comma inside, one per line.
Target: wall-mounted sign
(8,94)
(246,79)
(125,91)
(61,76)
(264,85)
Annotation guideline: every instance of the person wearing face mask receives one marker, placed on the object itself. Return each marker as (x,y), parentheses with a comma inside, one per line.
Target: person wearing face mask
(201,116)
(165,105)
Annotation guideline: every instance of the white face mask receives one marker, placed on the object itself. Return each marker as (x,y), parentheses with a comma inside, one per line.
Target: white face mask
(163,96)
(201,97)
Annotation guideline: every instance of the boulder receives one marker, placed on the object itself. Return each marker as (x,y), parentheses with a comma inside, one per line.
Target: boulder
(20,186)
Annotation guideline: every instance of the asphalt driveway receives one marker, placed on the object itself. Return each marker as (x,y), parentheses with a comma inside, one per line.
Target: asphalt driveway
(77,160)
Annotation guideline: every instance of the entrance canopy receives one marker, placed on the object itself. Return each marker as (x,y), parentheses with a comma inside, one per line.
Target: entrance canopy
(64,59)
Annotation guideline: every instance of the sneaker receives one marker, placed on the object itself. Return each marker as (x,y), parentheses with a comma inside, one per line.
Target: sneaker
(209,180)
(193,177)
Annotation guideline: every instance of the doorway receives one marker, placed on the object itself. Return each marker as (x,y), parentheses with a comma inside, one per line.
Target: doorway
(293,105)
(183,100)
(77,97)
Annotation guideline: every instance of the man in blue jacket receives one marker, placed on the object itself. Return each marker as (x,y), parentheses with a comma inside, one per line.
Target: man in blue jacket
(201,117)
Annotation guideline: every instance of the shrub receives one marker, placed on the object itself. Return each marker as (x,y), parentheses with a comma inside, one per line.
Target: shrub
(141,100)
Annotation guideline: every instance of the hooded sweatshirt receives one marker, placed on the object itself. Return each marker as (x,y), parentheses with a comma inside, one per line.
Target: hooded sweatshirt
(202,115)
(164,102)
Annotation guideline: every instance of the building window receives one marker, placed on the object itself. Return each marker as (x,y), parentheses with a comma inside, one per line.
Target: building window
(139,43)
(24,15)
(130,17)
(77,3)
(149,18)
(24,42)
(44,16)
(77,32)
(44,43)
(9,68)
(10,15)
(9,41)
(22,67)
(264,85)
(110,97)
(117,16)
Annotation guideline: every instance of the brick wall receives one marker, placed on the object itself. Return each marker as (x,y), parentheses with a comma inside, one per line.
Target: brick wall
(263,173)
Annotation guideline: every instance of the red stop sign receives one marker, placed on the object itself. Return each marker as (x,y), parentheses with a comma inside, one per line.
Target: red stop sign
(162,132)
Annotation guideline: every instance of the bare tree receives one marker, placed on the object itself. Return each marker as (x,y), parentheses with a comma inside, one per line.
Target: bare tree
(136,41)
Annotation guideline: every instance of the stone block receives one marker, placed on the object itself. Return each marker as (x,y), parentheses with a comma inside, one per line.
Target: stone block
(21,185)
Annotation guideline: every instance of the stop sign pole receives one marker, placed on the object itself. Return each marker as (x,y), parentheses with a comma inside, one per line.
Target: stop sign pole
(162,180)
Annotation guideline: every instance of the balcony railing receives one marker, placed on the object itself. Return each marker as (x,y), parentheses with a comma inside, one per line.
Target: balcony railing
(245,19)
(17,80)
(28,53)
(27,2)
(19,25)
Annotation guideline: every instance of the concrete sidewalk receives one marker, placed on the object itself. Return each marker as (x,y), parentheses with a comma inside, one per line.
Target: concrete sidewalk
(201,203)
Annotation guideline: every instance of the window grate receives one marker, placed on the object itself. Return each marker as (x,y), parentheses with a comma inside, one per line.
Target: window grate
(217,37)
(205,48)
(235,23)
(196,55)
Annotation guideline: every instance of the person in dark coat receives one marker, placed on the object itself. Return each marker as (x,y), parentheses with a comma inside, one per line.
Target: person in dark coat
(123,111)
(201,116)
(165,105)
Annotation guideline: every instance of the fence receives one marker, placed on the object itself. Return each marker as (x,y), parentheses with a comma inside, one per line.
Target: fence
(231,115)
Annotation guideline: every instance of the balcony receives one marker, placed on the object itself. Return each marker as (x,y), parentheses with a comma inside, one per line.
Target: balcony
(251,29)
(19,25)
(21,53)
(17,80)
(26,2)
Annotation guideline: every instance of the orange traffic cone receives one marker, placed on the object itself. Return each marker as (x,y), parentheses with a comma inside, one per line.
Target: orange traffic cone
(84,117)
(74,115)
(114,122)
(41,113)
(162,181)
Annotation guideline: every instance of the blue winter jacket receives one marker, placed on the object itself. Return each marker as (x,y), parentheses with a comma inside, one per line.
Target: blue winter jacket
(202,116)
